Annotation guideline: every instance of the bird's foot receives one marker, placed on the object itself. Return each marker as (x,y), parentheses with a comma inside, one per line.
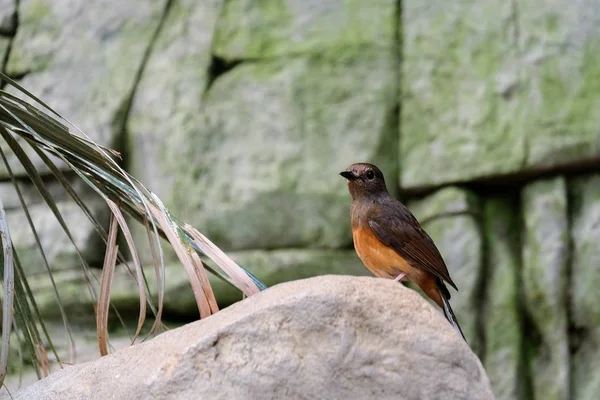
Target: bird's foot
(400,277)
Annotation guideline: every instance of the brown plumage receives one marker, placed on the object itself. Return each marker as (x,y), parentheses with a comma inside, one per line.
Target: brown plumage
(390,241)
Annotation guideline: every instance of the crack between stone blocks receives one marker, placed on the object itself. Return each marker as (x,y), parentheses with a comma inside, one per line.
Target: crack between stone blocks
(525,388)
(446,214)
(220,65)
(499,182)
(217,65)
(516,249)
(121,119)
(482,283)
(571,324)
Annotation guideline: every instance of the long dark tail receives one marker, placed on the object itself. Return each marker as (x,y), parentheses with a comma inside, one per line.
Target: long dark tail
(448,310)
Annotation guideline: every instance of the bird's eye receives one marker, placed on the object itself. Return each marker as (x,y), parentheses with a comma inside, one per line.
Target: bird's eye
(370,175)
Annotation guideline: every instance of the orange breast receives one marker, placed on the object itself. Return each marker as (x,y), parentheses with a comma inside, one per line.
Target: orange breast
(384,262)
(381,260)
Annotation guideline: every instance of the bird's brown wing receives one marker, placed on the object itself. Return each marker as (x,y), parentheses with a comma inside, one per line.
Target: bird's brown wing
(396,227)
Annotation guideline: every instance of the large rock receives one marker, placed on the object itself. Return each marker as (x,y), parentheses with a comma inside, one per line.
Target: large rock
(7,18)
(459,240)
(265,154)
(545,277)
(502,321)
(319,338)
(585,281)
(82,58)
(497,86)
(252,30)
(86,349)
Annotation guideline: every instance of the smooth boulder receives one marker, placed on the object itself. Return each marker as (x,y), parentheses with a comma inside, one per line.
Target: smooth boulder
(328,337)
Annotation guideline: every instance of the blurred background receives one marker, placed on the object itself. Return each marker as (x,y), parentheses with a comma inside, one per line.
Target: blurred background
(483,115)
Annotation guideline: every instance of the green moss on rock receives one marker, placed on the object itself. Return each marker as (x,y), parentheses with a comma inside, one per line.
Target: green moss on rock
(264,151)
(265,29)
(459,118)
(494,88)
(81,58)
(560,56)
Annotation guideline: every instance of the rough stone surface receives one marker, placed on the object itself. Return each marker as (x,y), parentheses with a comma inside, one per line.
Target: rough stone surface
(168,98)
(459,240)
(72,55)
(7,21)
(271,267)
(74,293)
(560,58)
(585,280)
(502,321)
(249,29)
(266,154)
(86,349)
(59,250)
(481,82)
(10,198)
(325,337)
(4,42)
(446,202)
(544,277)
(458,109)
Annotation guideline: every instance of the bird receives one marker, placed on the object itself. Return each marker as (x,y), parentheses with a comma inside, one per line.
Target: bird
(390,241)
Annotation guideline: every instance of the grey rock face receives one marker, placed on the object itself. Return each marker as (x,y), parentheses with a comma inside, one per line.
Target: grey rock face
(59,250)
(559,43)
(319,338)
(167,103)
(493,88)
(585,281)
(455,113)
(4,42)
(502,320)
(271,267)
(544,275)
(268,144)
(81,58)
(251,30)
(459,240)
(7,21)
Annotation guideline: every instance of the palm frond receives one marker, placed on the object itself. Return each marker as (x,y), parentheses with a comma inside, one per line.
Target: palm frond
(108,272)
(8,289)
(25,119)
(70,340)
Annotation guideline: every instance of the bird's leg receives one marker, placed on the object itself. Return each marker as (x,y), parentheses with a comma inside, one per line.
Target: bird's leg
(400,277)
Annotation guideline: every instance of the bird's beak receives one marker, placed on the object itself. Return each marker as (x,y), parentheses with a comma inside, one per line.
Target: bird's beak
(348,175)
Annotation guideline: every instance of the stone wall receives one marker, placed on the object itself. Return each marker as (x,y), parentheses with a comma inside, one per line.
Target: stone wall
(239,115)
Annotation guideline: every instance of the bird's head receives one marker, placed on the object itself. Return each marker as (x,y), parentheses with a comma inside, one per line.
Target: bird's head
(364,180)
